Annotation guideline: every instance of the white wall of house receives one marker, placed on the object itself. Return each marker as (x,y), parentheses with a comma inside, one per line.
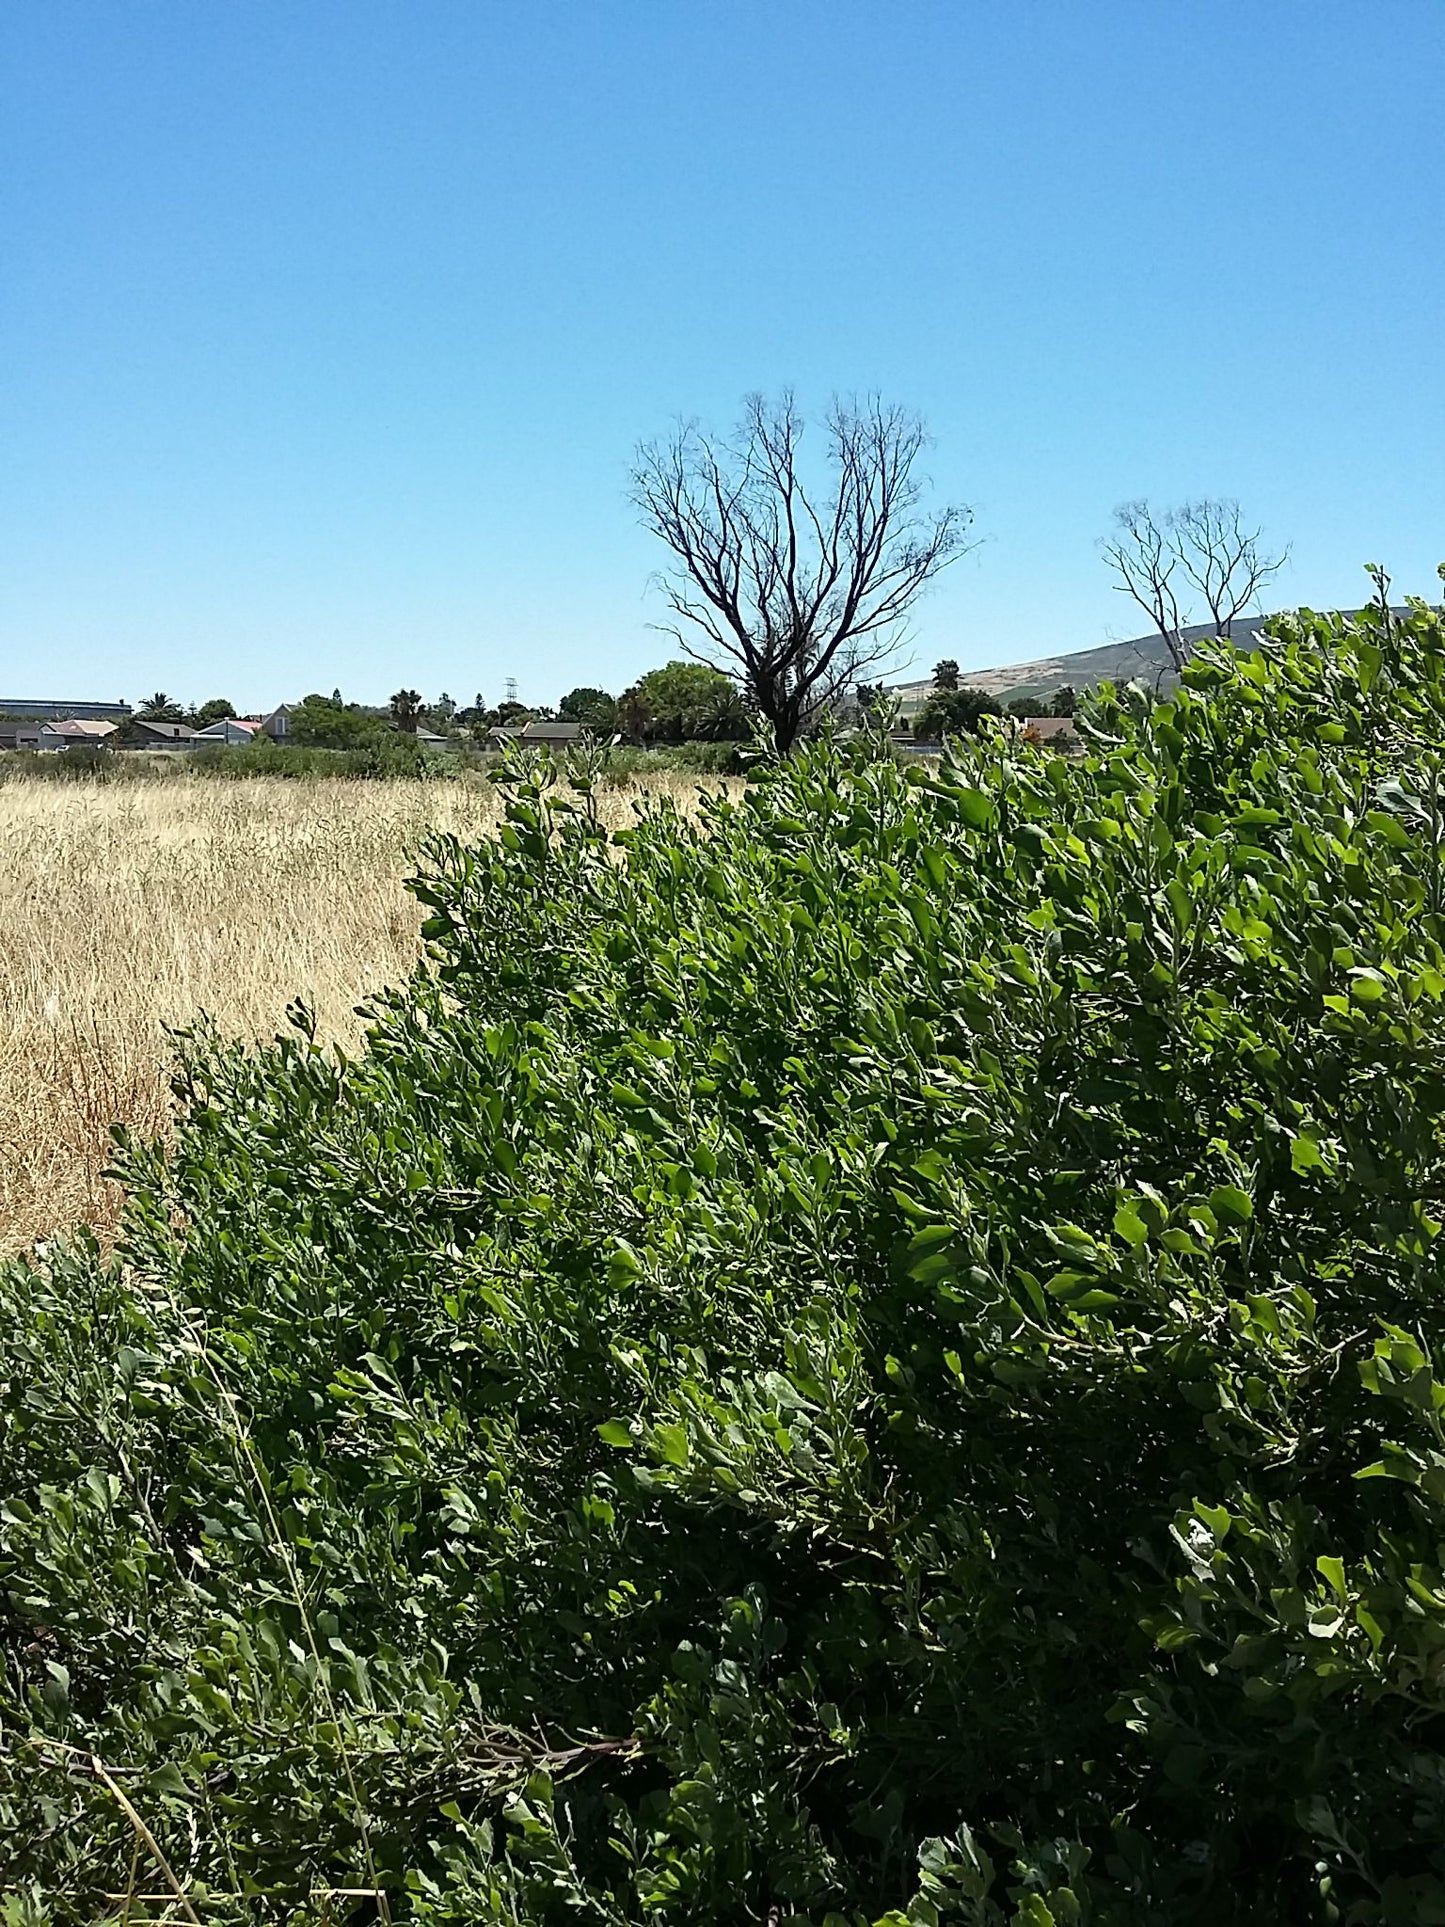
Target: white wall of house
(227,731)
(67,735)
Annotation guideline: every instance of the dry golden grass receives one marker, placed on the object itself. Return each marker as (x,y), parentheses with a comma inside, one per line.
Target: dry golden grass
(128,907)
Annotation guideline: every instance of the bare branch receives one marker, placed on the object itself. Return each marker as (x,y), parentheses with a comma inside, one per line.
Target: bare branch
(1222,558)
(1206,545)
(1140,555)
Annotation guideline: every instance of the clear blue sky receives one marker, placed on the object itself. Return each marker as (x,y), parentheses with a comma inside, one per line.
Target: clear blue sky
(327,326)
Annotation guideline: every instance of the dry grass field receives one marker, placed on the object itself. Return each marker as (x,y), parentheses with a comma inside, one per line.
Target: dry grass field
(125,908)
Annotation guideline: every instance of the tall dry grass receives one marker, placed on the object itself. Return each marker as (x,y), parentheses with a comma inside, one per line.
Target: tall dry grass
(125,908)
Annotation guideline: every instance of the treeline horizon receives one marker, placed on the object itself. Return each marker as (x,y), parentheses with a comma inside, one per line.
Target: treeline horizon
(679,702)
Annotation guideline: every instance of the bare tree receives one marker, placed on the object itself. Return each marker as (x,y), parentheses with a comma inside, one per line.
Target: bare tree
(796,590)
(1141,555)
(1202,546)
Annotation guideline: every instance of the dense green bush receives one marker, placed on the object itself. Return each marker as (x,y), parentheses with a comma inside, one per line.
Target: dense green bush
(92,764)
(388,753)
(878,1359)
(951,712)
(623,763)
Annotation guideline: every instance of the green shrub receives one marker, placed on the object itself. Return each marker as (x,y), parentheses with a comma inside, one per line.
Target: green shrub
(624,763)
(91,764)
(954,712)
(707,759)
(878,1359)
(388,754)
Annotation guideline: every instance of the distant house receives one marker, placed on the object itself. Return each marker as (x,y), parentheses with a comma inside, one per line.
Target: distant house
(429,739)
(72,732)
(232,732)
(552,734)
(62,733)
(142,733)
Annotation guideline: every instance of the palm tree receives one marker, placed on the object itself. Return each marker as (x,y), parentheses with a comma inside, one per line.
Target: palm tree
(633,713)
(159,708)
(727,719)
(405,708)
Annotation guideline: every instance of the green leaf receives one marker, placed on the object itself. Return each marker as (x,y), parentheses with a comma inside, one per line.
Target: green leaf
(1370,659)
(929,1239)
(931,1266)
(1231,1204)
(1370,1626)
(631,1099)
(1130,1227)
(976,807)
(1366,986)
(1079,1291)
(623,1263)
(1333,1569)
(615,1431)
(1390,828)
(1171,1635)
(1034,1911)
(1405,1470)
(1304,1154)
(671,1443)
(1217,1517)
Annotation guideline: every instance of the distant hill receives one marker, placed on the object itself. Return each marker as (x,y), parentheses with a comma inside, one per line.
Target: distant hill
(1142,659)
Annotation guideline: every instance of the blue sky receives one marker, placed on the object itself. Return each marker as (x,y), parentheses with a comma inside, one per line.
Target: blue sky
(327,326)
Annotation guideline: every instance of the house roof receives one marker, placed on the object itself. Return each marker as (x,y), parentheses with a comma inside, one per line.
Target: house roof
(169,732)
(81,728)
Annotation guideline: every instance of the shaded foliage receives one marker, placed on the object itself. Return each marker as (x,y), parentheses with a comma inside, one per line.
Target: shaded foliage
(683,700)
(875,1360)
(591,706)
(951,712)
(324,722)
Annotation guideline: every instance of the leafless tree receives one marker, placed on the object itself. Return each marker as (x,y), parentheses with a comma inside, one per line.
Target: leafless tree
(795,589)
(1201,547)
